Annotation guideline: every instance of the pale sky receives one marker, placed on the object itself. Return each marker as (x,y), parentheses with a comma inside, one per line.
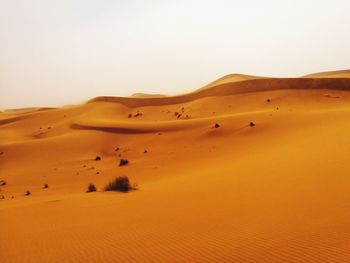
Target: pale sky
(54,53)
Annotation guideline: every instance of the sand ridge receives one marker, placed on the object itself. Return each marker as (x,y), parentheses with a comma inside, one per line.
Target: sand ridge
(236,87)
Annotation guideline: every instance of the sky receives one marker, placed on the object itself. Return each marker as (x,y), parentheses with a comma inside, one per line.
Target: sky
(62,52)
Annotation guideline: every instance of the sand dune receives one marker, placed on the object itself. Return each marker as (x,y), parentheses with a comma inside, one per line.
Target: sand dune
(231,78)
(277,191)
(330,74)
(145,95)
(236,87)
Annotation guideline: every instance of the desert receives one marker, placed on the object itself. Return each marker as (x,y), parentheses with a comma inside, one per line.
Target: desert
(245,169)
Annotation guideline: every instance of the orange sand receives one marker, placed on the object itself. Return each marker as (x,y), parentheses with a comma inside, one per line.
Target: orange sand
(275,192)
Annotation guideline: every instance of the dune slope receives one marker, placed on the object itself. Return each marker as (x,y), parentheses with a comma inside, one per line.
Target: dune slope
(270,184)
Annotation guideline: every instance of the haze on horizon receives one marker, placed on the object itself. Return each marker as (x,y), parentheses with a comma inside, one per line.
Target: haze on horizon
(54,53)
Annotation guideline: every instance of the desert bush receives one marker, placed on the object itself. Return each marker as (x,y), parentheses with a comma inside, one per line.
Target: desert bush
(216,126)
(121,184)
(46,186)
(2,183)
(91,188)
(98,158)
(123,162)
(251,124)
(28,193)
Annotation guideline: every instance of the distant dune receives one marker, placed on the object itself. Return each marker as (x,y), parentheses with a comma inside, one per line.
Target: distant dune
(244,169)
(232,88)
(231,78)
(145,95)
(330,74)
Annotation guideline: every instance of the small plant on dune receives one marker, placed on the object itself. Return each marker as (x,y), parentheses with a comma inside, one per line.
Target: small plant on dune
(2,183)
(28,193)
(251,124)
(121,184)
(123,162)
(98,158)
(46,186)
(216,126)
(91,188)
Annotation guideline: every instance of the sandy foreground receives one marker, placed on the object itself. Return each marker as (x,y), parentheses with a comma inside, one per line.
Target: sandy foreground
(278,191)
